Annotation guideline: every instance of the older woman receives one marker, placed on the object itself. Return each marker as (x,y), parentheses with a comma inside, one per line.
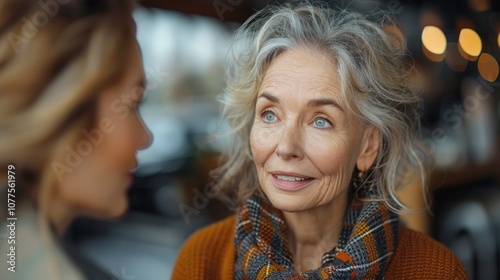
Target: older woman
(325,122)
(71,78)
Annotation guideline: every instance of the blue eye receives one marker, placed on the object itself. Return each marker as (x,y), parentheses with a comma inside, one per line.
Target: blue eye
(322,123)
(269,117)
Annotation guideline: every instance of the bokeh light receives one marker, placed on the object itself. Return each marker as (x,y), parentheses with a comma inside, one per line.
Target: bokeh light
(432,56)
(434,40)
(488,67)
(470,44)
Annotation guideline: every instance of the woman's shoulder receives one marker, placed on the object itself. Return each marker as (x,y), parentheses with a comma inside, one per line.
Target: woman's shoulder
(208,253)
(422,257)
(38,248)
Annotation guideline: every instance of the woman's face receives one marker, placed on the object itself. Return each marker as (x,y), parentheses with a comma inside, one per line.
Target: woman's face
(98,185)
(304,142)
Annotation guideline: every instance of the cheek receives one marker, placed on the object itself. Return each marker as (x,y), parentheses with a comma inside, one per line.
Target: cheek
(120,145)
(262,143)
(116,145)
(92,181)
(331,154)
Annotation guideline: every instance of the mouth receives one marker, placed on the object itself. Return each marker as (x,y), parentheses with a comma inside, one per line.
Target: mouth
(291,182)
(291,178)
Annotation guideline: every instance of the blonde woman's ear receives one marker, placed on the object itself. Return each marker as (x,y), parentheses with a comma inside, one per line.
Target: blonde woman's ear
(369,148)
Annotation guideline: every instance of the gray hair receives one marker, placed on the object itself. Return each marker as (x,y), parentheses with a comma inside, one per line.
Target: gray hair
(374,82)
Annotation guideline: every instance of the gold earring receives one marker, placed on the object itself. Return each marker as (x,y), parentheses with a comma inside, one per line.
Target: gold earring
(362,176)
(358,182)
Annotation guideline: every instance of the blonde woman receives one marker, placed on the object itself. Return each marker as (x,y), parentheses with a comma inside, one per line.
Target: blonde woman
(71,78)
(326,123)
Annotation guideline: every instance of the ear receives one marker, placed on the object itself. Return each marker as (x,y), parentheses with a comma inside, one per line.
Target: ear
(369,148)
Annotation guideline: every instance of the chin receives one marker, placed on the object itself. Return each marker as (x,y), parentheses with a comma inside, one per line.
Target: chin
(287,203)
(115,210)
(120,212)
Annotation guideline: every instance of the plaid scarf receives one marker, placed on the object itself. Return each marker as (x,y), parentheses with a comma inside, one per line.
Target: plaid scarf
(366,244)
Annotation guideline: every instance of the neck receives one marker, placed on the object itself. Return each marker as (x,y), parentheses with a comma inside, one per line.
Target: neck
(314,232)
(60,216)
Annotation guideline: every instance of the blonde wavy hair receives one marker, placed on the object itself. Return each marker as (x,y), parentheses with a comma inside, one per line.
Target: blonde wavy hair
(54,61)
(374,81)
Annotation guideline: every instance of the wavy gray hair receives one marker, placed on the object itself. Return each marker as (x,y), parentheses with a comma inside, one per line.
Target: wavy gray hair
(374,81)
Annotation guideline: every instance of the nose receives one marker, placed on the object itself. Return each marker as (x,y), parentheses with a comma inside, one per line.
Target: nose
(145,136)
(290,144)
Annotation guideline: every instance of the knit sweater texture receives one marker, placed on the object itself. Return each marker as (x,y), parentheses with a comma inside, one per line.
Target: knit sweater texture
(210,254)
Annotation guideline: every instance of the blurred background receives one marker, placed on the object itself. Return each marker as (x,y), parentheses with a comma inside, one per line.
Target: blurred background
(455,46)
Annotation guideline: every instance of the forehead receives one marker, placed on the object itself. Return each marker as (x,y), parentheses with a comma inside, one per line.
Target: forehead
(302,71)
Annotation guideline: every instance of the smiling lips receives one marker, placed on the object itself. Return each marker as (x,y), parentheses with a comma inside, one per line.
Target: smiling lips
(290,182)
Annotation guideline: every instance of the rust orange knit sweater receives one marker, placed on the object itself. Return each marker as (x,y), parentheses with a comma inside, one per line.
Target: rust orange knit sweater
(210,254)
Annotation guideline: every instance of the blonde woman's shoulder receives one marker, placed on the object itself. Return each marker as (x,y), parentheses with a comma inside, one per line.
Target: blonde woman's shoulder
(38,255)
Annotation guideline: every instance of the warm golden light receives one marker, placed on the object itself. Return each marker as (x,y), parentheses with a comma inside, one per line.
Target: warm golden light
(498,40)
(432,56)
(434,40)
(488,67)
(470,43)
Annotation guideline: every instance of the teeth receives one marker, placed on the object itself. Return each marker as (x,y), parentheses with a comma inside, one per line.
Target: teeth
(290,178)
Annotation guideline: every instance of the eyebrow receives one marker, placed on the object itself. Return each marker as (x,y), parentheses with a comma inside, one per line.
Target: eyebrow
(270,97)
(324,102)
(311,103)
